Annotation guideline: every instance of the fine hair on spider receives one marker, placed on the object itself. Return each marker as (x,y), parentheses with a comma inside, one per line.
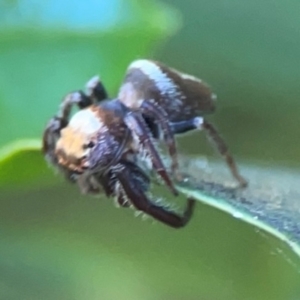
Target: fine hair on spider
(100,147)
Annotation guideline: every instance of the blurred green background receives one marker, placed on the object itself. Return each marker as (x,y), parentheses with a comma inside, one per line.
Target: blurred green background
(57,244)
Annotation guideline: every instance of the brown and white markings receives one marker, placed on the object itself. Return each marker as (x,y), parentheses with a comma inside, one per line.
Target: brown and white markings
(101,147)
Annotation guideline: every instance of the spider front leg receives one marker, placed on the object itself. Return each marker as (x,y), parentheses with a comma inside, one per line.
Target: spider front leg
(141,202)
(61,119)
(137,125)
(213,135)
(96,90)
(157,113)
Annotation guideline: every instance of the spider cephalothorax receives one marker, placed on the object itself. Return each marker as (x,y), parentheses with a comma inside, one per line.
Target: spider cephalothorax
(94,138)
(101,146)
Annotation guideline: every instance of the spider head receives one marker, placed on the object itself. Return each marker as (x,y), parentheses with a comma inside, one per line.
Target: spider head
(93,140)
(77,140)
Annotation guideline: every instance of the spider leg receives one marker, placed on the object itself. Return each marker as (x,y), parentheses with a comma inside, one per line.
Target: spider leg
(61,119)
(76,98)
(138,174)
(96,90)
(107,181)
(90,185)
(158,114)
(137,125)
(186,126)
(58,122)
(215,138)
(141,202)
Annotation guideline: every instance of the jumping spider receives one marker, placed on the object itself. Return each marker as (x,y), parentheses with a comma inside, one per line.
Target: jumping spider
(101,146)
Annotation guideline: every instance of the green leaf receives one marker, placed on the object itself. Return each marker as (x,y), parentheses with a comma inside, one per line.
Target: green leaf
(22,165)
(271,202)
(57,242)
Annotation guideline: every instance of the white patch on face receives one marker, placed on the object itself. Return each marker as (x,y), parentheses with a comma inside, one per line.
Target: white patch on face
(85,121)
(163,83)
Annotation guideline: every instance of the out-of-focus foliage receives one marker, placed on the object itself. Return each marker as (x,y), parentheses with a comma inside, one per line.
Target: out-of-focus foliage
(248,52)
(56,244)
(48,50)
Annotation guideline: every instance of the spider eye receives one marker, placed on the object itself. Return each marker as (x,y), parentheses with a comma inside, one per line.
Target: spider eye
(89,145)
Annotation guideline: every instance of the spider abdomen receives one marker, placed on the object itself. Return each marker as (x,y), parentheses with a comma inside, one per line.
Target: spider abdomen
(180,95)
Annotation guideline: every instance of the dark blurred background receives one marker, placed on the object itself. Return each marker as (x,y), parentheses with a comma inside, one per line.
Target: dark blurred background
(57,244)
